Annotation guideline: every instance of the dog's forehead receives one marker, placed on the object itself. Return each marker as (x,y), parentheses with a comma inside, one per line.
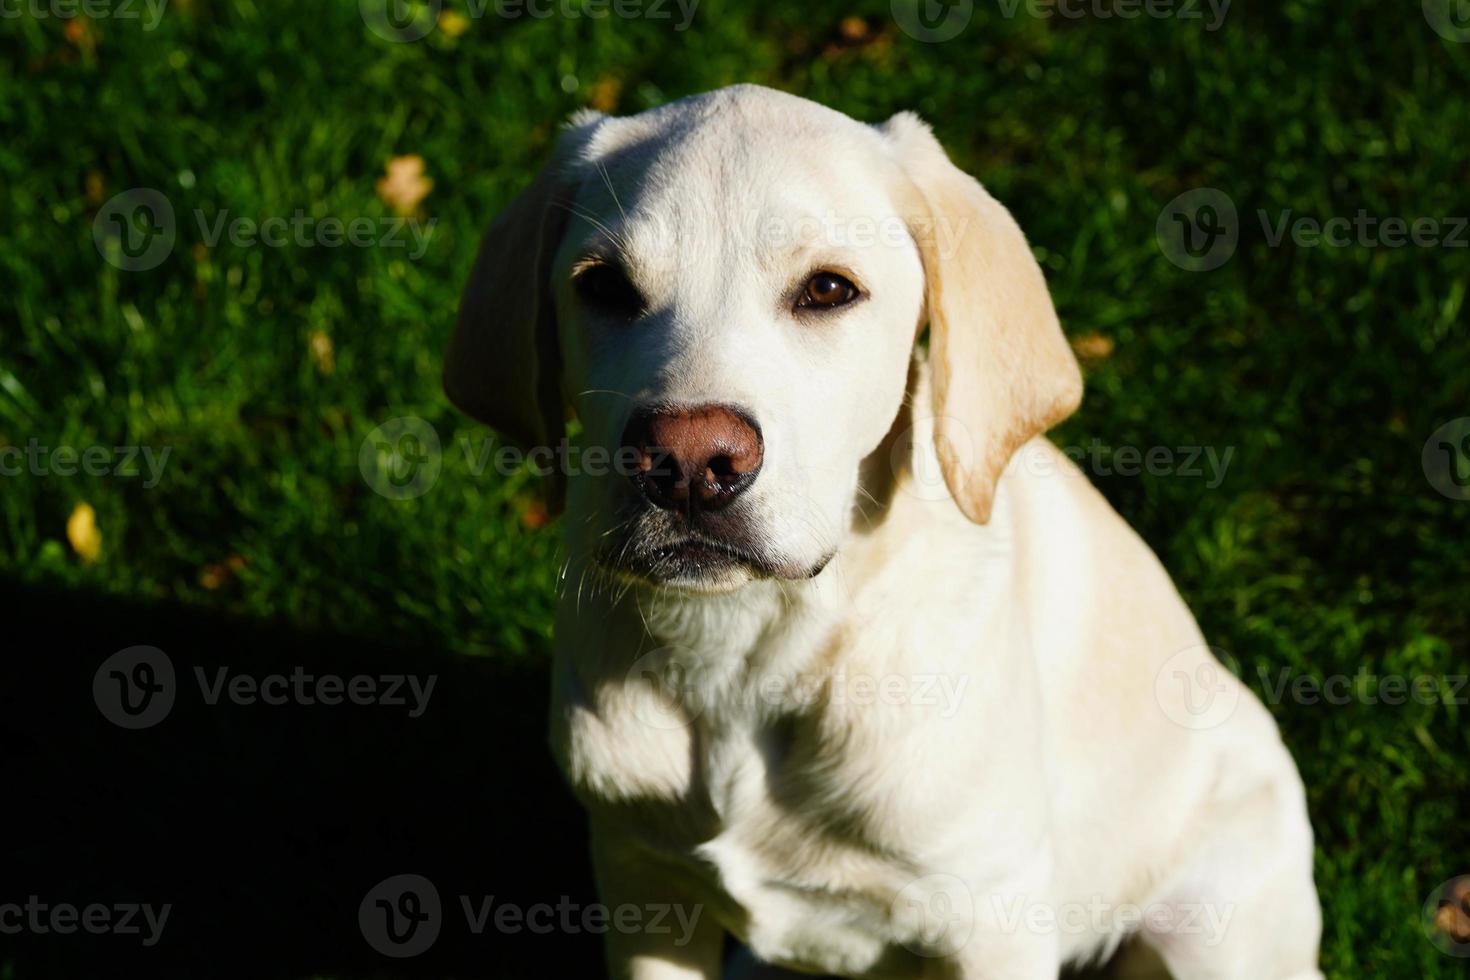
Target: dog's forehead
(733,158)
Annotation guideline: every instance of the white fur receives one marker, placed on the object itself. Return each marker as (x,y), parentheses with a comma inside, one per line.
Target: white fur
(899,833)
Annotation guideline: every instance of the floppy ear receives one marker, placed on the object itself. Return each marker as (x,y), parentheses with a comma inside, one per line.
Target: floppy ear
(1002,369)
(503,367)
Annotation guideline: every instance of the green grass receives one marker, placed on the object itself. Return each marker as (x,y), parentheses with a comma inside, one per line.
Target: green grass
(1323,551)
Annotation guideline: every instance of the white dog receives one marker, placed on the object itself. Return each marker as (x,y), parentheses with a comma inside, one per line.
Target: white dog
(852,664)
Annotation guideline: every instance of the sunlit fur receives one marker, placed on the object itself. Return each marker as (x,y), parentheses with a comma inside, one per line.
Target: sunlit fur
(709,718)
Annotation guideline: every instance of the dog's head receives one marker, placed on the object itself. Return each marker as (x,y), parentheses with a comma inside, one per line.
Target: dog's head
(726,292)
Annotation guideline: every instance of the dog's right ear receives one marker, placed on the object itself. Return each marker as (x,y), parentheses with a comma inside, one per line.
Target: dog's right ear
(503,367)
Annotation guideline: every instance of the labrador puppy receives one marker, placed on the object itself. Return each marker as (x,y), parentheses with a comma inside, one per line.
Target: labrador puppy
(851,664)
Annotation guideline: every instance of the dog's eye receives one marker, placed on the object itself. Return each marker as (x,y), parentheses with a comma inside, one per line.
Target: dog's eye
(827,290)
(606,288)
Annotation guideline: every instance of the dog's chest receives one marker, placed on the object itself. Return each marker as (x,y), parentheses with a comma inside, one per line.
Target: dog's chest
(755,837)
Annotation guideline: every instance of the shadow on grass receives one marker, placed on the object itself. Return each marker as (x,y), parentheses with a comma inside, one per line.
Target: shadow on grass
(265,826)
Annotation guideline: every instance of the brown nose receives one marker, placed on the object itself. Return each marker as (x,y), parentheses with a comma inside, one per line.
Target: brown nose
(694,458)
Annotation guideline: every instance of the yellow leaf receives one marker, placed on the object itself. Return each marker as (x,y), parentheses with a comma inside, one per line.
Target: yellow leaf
(1093,346)
(81,531)
(405,184)
(605,93)
(453,23)
(323,355)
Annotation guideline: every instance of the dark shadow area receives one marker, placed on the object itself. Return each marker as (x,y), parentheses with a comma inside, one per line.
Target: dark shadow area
(264,826)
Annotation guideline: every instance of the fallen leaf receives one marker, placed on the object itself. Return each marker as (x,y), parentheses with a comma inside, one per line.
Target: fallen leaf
(96,189)
(1453,922)
(81,32)
(323,355)
(82,532)
(405,184)
(534,514)
(453,23)
(604,94)
(1093,346)
(217,575)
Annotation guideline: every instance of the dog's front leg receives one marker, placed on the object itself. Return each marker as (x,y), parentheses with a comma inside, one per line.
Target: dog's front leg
(656,929)
(1002,930)
(1021,955)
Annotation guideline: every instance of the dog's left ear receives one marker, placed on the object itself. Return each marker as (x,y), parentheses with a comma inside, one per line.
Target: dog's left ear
(503,366)
(1002,369)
